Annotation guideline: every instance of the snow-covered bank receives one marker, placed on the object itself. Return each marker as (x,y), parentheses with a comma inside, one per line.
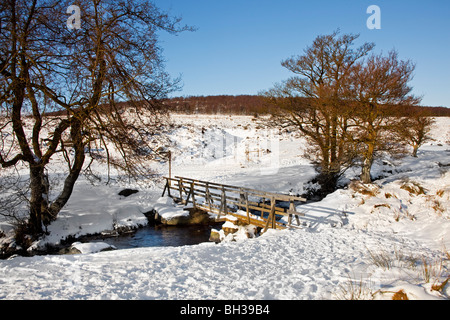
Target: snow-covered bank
(342,240)
(279,265)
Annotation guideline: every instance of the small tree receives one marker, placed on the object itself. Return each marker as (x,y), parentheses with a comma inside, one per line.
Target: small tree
(378,87)
(415,129)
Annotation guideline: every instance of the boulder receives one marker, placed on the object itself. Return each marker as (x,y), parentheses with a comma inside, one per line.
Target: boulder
(151,217)
(127,192)
(233,230)
(191,217)
(215,236)
(231,225)
(197,216)
(175,220)
(69,250)
(228,227)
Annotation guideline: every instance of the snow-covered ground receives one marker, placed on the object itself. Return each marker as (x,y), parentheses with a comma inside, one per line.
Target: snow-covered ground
(364,242)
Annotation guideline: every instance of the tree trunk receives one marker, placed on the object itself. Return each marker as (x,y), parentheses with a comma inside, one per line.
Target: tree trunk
(365,174)
(36,200)
(367,164)
(415,149)
(365,171)
(41,211)
(368,155)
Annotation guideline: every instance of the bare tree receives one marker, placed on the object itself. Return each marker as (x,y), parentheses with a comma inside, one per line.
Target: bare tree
(88,74)
(379,86)
(314,101)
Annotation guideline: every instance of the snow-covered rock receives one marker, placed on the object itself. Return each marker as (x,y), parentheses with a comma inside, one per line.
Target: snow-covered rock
(90,247)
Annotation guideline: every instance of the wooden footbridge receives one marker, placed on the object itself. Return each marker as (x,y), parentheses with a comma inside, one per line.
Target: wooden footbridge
(249,206)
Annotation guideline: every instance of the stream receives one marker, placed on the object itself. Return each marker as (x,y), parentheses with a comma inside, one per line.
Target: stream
(163,236)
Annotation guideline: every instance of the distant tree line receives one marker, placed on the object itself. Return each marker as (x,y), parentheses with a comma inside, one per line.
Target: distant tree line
(256,105)
(251,105)
(220,104)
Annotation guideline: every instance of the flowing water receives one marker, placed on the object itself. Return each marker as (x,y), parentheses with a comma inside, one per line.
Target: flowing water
(160,236)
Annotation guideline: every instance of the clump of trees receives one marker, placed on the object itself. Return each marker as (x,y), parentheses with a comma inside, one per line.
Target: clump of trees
(44,66)
(350,104)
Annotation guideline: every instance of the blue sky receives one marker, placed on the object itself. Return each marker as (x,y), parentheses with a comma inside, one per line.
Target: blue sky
(238,45)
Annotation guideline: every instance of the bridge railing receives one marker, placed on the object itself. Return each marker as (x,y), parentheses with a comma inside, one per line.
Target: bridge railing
(240,202)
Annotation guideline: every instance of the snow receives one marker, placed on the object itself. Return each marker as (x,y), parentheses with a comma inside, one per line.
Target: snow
(167,209)
(337,247)
(93,209)
(91,247)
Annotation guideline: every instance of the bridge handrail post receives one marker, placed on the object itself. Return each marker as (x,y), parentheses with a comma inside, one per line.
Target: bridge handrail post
(246,206)
(193,193)
(223,202)
(272,212)
(208,195)
(293,211)
(166,185)
(271,217)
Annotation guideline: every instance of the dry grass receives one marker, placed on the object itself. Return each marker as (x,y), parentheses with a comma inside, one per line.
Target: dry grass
(416,269)
(400,295)
(355,290)
(440,287)
(437,206)
(434,271)
(388,260)
(382,205)
(426,268)
(414,188)
(366,189)
(403,214)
